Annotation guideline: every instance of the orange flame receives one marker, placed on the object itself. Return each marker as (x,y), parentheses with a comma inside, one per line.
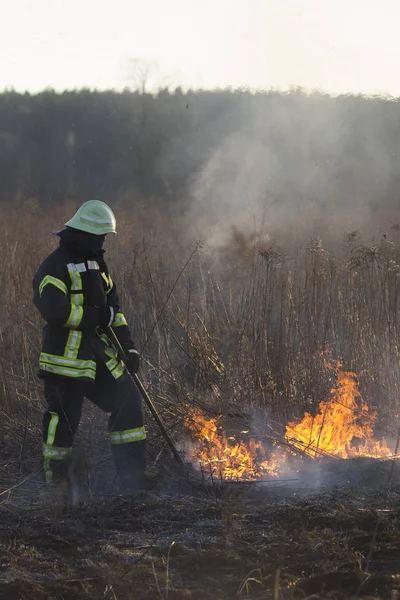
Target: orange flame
(227,458)
(343,427)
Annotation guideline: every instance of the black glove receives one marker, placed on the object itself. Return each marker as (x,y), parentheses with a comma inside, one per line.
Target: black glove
(106,316)
(132,361)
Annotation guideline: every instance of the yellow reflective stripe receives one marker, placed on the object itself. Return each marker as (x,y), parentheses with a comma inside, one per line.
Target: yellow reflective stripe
(76,279)
(68,362)
(51,432)
(115,367)
(75,317)
(73,344)
(78,299)
(128,435)
(111,364)
(49,279)
(108,281)
(68,367)
(56,452)
(68,372)
(119,320)
(118,372)
(76,313)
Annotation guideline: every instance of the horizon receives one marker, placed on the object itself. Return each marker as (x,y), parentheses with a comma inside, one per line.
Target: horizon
(192,90)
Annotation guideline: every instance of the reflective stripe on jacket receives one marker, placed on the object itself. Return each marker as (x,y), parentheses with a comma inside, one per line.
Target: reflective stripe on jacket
(68,293)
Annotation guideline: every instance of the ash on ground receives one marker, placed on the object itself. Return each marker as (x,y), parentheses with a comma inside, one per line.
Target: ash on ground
(333,533)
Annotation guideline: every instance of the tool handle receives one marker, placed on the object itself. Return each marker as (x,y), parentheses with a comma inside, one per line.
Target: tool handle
(146,397)
(157,418)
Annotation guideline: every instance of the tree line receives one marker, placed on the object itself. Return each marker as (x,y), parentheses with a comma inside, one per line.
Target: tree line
(109,145)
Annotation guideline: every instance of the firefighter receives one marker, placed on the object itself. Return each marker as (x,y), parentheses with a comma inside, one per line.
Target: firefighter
(78,300)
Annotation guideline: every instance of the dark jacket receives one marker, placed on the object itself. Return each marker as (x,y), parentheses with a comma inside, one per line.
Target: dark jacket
(71,287)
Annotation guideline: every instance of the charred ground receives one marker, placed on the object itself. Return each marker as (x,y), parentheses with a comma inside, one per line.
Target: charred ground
(283,540)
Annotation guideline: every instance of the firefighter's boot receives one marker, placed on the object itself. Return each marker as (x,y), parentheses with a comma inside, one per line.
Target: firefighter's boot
(130,462)
(60,481)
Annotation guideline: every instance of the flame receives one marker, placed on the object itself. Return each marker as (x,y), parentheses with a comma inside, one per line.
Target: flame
(227,458)
(343,427)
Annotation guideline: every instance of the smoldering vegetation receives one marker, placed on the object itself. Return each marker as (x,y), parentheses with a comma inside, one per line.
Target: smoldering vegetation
(203,543)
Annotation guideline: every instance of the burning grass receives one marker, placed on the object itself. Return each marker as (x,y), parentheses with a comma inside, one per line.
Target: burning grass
(225,457)
(343,428)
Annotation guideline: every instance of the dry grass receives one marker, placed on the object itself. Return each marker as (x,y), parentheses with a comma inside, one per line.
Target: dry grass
(238,329)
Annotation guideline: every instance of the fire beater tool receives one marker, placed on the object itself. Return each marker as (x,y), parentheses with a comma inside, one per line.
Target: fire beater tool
(146,397)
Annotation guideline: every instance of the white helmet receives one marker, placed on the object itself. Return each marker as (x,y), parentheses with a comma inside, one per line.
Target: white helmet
(95,217)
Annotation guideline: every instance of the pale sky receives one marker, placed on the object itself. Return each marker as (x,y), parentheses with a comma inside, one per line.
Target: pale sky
(334,45)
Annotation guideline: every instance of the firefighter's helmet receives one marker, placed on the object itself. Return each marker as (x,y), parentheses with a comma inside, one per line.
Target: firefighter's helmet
(95,217)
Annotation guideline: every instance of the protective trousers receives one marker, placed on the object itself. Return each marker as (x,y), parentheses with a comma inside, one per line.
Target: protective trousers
(121,399)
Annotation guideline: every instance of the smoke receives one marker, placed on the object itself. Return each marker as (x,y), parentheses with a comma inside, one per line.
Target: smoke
(291,164)
(232,187)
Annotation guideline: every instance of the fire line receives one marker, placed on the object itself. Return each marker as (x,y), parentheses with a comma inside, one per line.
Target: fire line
(343,427)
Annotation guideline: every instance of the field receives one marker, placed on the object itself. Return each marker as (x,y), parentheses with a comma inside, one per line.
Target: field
(249,329)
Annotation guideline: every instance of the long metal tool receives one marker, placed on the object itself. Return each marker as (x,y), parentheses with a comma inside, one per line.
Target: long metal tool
(145,397)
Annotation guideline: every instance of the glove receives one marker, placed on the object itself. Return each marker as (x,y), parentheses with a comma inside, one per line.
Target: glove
(132,361)
(106,316)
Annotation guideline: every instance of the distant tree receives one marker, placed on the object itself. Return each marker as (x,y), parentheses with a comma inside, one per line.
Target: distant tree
(291,147)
